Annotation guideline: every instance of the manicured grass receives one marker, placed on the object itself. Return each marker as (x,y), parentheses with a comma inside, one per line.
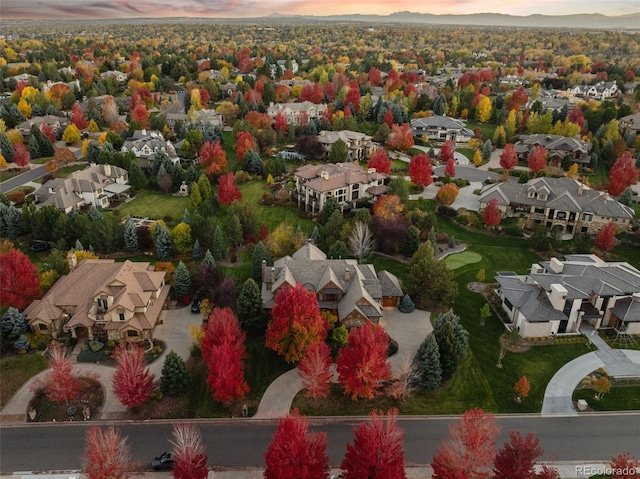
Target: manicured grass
(228,144)
(241,270)
(156,205)
(628,253)
(455,261)
(487,130)
(6,174)
(17,370)
(272,216)
(65,171)
(382,263)
(620,398)
(468,152)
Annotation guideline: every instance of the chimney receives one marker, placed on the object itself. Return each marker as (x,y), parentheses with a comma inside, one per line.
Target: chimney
(557,295)
(556,265)
(347,274)
(264,270)
(72,260)
(107,169)
(273,275)
(580,189)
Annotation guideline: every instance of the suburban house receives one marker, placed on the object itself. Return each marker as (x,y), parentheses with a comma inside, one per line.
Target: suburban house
(96,185)
(202,118)
(561,202)
(441,128)
(101,299)
(55,122)
(558,148)
(630,124)
(120,77)
(352,292)
(360,146)
(145,144)
(297,113)
(347,182)
(600,90)
(558,295)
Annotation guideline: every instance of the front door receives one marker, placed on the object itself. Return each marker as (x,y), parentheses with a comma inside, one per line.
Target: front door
(563,326)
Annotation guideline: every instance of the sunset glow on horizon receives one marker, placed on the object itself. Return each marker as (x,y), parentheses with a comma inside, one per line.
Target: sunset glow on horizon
(103,9)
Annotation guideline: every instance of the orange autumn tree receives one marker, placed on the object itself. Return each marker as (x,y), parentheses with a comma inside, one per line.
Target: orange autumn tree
(296,323)
(447,194)
(213,158)
(244,143)
(522,388)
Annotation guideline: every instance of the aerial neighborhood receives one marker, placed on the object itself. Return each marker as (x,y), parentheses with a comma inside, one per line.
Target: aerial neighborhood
(380,217)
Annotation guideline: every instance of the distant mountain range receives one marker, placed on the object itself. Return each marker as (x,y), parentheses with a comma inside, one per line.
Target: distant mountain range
(595,20)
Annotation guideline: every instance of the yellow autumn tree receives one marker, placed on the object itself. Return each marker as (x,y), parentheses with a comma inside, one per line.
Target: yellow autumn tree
(102,138)
(284,240)
(573,171)
(483,110)
(3,162)
(93,127)
(510,125)
(85,145)
(71,134)
(477,158)
(24,108)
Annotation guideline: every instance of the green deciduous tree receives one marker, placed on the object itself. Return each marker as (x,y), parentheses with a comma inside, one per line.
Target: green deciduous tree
(429,280)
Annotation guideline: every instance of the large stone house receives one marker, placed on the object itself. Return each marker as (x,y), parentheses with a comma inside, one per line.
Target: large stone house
(630,124)
(347,182)
(441,128)
(102,299)
(600,90)
(360,146)
(558,295)
(558,148)
(145,144)
(352,292)
(562,202)
(96,185)
(297,113)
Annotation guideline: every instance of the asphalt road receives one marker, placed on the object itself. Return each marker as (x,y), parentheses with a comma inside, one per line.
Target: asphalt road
(22,178)
(237,443)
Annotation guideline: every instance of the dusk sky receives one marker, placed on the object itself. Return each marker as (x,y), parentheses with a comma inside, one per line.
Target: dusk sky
(69,9)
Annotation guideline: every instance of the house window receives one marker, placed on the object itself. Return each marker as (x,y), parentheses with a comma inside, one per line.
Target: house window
(132,334)
(539,210)
(508,304)
(587,217)
(561,215)
(584,229)
(42,327)
(542,197)
(121,314)
(341,194)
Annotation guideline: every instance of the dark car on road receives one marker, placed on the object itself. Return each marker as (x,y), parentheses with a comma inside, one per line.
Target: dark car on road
(163,462)
(195,305)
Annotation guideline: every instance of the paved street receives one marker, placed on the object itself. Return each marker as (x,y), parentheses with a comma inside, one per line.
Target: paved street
(21,179)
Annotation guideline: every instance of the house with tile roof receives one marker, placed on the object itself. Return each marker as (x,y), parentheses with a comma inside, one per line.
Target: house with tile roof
(630,124)
(352,292)
(102,299)
(95,185)
(360,146)
(558,148)
(297,113)
(441,128)
(347,182)
(145,144)
(558,295)
(561,202)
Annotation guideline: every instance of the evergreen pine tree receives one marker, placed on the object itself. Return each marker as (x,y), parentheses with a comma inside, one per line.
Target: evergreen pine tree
(196,252)
(486,150)
(164,245)
(250,310)
(406,305)
(130,234)
(209,260)
(34,147)
(6,147)
(219,245)
(175,375)
(233,230)
(78,246)
(427,360)
(432,235)
(329,207)
(315,235)
(452,341)
(259,253)
(182,283)
(338,250)
(411,241)
(46,148)
(185,216)
(10,221)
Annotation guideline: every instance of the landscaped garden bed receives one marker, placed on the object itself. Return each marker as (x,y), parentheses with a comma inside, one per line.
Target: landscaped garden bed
(85,407)
(102,353)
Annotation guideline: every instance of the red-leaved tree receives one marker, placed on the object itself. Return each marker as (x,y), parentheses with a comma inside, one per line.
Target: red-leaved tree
(447,151)
(537,159)
(296,323)
(362,364)
(140,114)
(421,170)
(622,175)
(106,454)
(19,281)
(517,458)
(296,453)
(61,383)
(78,117)
(315,370)
(223,350)
(376,452)
(469,451)
(625,467)
(48,132)
(508,157)
(492,215)
(21,155)
(400,138)
(450,168)
(228,191)
(281,125)
(380,161)
(522,388)
(213,158)
(606,237)
(132,382)
(244,143)
(190,459)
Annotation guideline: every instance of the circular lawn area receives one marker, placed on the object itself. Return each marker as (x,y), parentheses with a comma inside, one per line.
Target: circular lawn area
(455,261)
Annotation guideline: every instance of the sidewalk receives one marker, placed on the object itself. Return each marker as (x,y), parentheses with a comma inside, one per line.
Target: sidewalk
(617,362)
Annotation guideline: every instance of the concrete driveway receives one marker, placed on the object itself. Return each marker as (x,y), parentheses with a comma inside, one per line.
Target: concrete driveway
(408,330)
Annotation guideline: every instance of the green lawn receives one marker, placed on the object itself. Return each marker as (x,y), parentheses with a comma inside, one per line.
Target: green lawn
(17,370)
(156,205)
(620,398)
(65,171)
(455,261)
(468,152)
(487,130)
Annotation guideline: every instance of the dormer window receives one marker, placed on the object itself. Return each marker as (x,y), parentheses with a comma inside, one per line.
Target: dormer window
(531,194)
(542,196)
(121,314)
